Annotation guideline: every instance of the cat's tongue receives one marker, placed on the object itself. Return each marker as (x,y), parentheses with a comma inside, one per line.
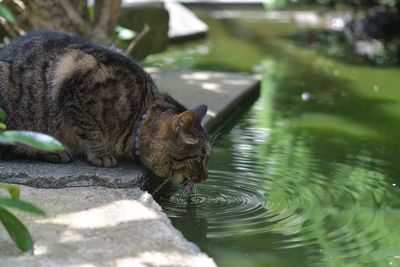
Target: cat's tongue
(191,187)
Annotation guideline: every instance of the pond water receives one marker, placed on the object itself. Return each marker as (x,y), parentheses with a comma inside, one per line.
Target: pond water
(309,175)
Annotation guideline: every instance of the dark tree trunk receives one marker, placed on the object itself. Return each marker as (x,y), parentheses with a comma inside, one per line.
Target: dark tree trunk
(69,16)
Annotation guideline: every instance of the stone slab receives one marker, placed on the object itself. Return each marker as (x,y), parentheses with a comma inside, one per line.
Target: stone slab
(79,173)
(98,226)
(222,92)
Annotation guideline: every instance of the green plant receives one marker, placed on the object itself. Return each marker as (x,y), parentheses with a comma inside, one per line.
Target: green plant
(15,228)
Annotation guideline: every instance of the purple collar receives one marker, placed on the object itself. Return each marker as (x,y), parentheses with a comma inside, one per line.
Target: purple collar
(136,136)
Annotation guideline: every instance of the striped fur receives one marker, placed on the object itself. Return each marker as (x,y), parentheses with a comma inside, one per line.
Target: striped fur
(91,98)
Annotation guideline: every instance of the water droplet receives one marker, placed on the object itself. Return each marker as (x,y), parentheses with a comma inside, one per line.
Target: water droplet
(305,96)
(394,184)
(337,24)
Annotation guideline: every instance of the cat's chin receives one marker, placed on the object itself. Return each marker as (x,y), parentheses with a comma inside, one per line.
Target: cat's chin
(178,179)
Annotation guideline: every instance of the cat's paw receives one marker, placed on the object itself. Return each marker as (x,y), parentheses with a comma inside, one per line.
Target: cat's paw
(56,157)
(105,161)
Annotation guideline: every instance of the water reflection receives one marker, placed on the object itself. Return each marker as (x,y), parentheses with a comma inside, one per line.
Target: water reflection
(288,186)
(309,175)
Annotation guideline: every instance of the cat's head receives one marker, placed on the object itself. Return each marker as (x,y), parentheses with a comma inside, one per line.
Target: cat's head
(177,148)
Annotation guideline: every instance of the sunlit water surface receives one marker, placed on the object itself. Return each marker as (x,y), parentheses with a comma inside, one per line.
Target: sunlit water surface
(309,175)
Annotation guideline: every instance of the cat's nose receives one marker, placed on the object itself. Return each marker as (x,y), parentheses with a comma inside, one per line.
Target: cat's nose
(202,177)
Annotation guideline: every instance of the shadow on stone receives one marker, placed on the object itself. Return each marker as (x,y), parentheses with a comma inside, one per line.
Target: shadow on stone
(100,226)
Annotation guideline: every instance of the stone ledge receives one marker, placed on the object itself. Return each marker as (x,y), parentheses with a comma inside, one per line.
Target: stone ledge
(98,226)
(222,92)
(78,173)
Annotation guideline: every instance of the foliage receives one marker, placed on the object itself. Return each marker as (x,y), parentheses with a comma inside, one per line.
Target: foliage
(97,20)
(15,228)
(33,139)
(89,20)
(7,15)
(279,4)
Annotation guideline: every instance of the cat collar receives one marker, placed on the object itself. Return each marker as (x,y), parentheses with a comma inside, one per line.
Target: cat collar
(136,136)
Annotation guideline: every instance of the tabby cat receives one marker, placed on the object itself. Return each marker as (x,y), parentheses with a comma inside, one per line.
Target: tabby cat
(100,104)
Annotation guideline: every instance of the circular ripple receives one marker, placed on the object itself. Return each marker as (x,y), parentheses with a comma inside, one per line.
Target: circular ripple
(280,201)
(229,205)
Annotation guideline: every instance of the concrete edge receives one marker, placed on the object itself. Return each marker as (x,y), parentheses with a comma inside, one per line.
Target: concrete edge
(77,228)
(247,97)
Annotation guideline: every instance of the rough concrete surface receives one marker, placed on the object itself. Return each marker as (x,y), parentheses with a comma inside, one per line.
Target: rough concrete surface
(78,173)
(97,226)
(222,92)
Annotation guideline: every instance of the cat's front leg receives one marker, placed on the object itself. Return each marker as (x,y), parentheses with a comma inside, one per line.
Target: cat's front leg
(96,152)
(101,160)
(56,157)
(92,141)
(34,153)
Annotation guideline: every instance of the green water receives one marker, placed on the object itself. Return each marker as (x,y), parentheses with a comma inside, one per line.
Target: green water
(309,175)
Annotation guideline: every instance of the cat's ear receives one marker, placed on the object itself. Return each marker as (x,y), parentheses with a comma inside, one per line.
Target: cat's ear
(183,121)
(182,125)
(200,112)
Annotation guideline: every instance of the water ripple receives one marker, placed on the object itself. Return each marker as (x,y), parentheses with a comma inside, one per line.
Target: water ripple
(283,198)
(223,198)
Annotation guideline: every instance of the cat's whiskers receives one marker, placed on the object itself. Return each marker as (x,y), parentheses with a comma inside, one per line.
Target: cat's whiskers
(183,194)
(214,139)
(185,183)
(164,182)
(160,186)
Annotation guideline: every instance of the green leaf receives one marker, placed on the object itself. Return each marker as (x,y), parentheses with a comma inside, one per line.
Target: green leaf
(33,139)
(2,114)
(12,189)
(125,33)
(2,126)
(4,140)
(17,231)
(22,205)
(7,15)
